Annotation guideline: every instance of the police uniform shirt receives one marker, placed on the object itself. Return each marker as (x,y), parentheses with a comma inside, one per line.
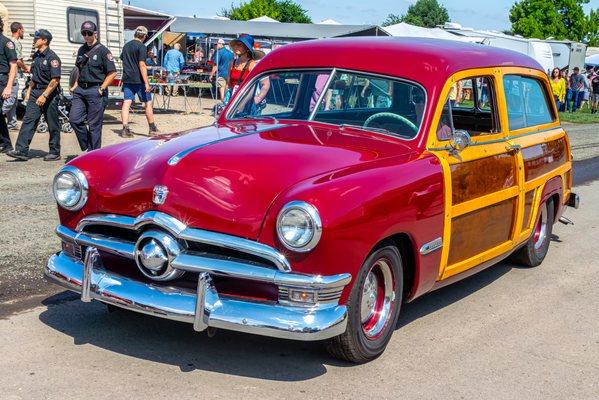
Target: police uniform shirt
(7,54)
(45,67)
(100,64)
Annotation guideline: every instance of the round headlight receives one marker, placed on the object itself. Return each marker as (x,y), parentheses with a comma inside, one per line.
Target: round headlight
(299,226)
(70,188)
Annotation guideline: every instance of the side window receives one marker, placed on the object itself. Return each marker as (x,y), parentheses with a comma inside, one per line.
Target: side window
(76,17)
(527,102)
(471,106)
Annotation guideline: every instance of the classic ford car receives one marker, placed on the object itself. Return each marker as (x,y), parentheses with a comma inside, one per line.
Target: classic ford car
(315,212)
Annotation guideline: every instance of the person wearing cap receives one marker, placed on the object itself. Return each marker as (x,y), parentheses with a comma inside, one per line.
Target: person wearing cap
(135,80)
(240,68)
(41,99)
(222,59)
(8,72)
(97,70)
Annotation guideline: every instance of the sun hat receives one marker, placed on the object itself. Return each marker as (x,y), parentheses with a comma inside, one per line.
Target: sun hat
(247,41)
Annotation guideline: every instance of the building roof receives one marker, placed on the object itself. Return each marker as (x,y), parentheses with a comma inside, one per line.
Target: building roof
(429,62)
(271,30)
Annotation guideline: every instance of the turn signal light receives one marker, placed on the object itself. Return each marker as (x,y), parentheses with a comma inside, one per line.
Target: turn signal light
(302,296)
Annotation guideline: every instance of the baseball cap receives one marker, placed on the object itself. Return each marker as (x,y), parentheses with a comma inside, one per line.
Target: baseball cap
(142,29)
(43,34)
(220,41)
(89,26)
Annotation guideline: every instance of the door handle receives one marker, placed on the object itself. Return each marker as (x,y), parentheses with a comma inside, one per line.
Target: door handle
(513,148)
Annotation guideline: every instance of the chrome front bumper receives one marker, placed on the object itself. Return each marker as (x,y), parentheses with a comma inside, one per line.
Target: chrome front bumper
(203,308)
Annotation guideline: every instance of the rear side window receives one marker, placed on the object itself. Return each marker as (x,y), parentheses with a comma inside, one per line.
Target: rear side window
(527,102)
(75,18)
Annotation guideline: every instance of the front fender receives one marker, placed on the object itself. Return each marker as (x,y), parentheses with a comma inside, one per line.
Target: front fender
(361,206)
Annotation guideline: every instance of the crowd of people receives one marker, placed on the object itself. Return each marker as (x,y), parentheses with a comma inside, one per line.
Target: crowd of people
(95,70)
(574,91)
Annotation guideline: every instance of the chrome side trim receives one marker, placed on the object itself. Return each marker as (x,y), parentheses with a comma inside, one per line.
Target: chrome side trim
(431,246)
(113,246)
(203,308)
(180,230)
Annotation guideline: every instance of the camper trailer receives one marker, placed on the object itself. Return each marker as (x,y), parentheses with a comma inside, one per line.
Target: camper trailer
(538,49)
(568,54)
(64,18)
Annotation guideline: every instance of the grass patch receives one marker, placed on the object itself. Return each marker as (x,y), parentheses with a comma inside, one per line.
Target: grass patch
(580,117)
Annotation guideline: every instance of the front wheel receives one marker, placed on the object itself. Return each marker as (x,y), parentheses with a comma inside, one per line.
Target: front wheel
(535,250)
(373,308)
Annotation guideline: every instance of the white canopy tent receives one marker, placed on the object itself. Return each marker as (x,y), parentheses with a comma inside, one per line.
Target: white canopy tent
(592,60)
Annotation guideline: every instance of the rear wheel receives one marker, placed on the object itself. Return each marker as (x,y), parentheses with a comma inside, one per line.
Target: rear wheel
(535,250)
(373,308)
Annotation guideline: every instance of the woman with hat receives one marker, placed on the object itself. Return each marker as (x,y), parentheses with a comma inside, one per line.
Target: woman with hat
(244,63)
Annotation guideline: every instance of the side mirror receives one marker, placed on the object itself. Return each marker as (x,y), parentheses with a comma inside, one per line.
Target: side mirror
(459,140)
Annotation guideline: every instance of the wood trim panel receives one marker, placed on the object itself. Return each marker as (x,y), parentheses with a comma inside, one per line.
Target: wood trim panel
(481,230)
(477,178)
(528,202)
(543,158)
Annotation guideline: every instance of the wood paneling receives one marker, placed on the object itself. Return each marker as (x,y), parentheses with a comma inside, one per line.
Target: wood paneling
(481,230)
(528,199)
(477,178)
(543,158)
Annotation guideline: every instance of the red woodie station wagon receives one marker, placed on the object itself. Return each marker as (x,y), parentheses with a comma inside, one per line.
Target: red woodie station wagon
(355,186)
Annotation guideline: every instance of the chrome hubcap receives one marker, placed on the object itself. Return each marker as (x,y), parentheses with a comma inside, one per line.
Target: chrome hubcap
(153,256)
(378,295)
(369,296)
(541,228)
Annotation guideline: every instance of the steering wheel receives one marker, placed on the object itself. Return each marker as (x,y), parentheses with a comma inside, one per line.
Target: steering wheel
(398,117)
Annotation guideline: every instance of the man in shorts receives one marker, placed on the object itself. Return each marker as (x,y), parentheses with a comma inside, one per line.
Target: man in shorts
(222,60)
(595,91)
(135,81)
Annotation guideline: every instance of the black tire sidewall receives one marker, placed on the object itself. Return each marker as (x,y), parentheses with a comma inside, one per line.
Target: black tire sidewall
(368,347)
(537,256)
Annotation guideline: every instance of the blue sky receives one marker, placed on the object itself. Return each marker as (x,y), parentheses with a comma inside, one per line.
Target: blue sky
(481,14)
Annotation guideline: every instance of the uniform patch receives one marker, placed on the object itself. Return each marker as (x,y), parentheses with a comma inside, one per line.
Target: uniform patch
(95,57)
(109,56)
(55,63)
(10,45)
(45,62)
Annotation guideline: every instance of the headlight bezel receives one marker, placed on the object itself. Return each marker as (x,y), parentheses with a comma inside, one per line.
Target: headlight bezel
(316,222)
(82,182)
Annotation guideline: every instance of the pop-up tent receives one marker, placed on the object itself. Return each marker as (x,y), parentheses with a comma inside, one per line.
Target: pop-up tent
(406,30)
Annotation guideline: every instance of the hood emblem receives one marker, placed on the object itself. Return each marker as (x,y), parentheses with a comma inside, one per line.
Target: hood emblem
(160,193)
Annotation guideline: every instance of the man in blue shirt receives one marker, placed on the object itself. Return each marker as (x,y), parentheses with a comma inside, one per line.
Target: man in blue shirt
(222,58)
(173,63)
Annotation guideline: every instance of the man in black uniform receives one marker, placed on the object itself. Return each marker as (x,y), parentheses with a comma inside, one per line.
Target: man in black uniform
(8,72)
(96,72)
(41,98)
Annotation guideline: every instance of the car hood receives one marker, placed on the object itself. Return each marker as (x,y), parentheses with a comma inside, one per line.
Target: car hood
(224,178)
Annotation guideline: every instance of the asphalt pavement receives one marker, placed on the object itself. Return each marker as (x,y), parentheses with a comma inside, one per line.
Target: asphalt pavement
(505,333)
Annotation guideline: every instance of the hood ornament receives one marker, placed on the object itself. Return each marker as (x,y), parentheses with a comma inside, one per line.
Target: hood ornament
(160,194)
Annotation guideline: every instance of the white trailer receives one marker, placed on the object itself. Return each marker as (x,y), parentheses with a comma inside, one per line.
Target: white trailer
(568,54)
(63,18)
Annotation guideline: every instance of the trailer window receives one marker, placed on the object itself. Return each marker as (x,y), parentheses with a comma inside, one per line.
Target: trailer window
(76,17)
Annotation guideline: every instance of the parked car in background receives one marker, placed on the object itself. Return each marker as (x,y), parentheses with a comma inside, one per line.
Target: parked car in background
(330,192)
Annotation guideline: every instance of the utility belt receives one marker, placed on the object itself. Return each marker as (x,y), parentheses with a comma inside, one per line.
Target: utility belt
(85,85)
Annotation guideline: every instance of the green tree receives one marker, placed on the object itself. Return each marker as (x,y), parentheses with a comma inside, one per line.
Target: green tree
(560,19)
(425,13)
(593,28)
(281,10)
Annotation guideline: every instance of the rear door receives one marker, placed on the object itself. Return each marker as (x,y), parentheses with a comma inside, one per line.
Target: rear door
(482,181)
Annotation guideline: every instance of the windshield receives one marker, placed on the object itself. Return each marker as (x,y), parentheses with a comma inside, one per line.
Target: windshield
(335,97)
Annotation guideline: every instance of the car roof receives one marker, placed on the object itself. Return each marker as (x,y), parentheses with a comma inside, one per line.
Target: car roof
(427,61)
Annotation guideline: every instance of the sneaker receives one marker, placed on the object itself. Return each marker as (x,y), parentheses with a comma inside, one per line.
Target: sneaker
(5,149)
(18,155)
(13,127)
(126,133)
(52,157)
(153,130)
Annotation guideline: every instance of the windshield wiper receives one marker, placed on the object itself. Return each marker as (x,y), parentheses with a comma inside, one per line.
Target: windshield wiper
(259,117)
(367,128)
